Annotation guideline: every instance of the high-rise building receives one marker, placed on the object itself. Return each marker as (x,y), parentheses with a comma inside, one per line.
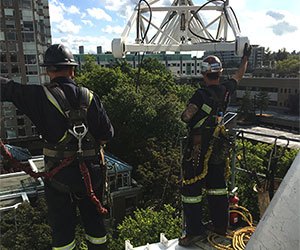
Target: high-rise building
(24,37)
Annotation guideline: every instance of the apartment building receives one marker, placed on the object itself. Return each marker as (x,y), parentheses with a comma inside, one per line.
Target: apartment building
(24,37)
(230,60)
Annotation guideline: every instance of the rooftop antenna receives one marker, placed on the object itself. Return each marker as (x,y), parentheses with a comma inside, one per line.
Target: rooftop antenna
(184,28)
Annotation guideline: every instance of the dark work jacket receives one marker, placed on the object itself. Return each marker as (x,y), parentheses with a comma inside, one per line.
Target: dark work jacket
(50,123)
(202,96)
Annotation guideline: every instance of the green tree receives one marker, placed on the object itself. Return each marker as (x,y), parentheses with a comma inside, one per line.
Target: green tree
(246,109)
(26,228)
(262,101)
(288,67)
(256,160)
(145,227)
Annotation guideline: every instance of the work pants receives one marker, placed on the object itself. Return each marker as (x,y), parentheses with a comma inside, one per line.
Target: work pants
(62,218)
(215,185)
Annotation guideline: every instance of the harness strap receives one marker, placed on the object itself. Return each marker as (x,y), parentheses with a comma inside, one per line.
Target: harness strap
(26,167)
(89,188)
(63,154)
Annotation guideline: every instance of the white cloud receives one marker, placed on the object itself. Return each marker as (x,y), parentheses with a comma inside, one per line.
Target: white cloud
(87,22)
(56,12)
(73,10)
(68,27)
(90,43)
(113,29)
(99,14)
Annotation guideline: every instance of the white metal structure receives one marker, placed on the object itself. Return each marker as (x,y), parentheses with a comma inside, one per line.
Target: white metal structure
(184,28)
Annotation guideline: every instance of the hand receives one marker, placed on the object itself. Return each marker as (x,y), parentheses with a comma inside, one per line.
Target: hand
(247,51)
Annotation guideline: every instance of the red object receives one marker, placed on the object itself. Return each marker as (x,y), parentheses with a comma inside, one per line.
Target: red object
(233,217)
(49,175)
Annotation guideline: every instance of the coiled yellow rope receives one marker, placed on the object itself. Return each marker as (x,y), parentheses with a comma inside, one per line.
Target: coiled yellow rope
(238,238)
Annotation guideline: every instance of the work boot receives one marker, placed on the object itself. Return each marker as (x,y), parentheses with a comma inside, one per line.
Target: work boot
(188,240)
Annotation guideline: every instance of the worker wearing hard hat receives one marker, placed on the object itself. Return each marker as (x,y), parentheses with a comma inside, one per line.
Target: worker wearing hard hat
(205,161)
(73,124)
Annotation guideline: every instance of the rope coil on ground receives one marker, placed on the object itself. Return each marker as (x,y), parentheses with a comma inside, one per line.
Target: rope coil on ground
(240,237)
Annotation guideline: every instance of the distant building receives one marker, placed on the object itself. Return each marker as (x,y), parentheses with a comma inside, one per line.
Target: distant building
(231,60)
(181,65)
(24,37)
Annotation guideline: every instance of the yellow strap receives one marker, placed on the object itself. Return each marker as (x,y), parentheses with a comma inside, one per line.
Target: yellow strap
(70,246)
(191,199)
(96,241)
(53,100)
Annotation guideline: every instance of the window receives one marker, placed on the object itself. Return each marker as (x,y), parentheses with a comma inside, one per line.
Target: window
(12,47)
(3,69)
(2,46)
(296,91)
(31,70)
(30,59)
(8,12)
(15,69)
(11,36)
(7,3)
(27,26)
(20,121)
(11,134)
(13,57)
(26,4)
(10,24)
(21,132)
(3,57)
(28,37)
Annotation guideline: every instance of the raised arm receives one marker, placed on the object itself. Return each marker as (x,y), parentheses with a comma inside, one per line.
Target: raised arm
(244,63)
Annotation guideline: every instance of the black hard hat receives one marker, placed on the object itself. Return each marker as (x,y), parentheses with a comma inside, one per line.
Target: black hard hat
(211,64)
(58,54)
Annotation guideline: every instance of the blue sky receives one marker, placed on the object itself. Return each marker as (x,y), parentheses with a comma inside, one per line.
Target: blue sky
(269,23)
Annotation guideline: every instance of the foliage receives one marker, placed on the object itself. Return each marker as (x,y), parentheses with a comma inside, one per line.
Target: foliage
(246,109)
(26,228)
(262,101)
(256,161)
(145,227)
(288,67)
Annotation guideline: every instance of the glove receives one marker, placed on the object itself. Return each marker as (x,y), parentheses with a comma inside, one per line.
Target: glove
(247,51)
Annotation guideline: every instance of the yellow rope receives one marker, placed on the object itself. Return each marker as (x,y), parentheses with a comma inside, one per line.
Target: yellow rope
(219,129)
(240,237)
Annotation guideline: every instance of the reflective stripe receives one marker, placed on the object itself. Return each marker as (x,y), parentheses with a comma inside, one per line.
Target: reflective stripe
(64,137)
(191,199)
(220,191)
(53,100)
(198,124)
(91,97)
(70,246)
(206,108)
(96,241)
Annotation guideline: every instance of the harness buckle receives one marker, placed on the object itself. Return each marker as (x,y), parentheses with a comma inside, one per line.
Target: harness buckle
(79,132)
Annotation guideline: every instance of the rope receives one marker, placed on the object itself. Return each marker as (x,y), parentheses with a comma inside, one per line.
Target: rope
(17,166)
(49,175)
(240,237)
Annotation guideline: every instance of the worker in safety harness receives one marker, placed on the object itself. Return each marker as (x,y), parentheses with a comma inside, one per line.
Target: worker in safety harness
(74,124)
(205,161)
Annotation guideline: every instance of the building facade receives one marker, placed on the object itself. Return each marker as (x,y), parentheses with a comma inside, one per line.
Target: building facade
(24,37)
(231,60)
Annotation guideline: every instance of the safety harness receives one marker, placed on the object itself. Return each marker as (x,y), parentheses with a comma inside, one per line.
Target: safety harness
(215,112)
(66,149)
